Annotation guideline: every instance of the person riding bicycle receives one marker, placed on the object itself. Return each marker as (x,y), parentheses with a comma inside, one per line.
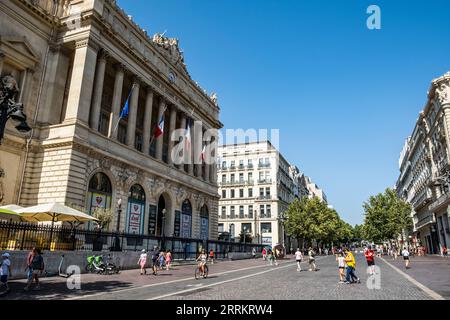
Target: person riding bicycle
(203,258)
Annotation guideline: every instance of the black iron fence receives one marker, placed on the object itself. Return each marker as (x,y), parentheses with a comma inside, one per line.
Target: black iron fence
(25,236)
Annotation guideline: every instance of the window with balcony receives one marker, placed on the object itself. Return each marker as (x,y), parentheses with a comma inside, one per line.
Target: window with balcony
(220,227)
(250,177)
(232,164)
(241,193)
(241,212)
(224,164)
(241,177)
(250,212)
(224,178)
(268,211)
(250,163)
(224,194)
(262,213)
(232,178)
(232,193)
(268,192)
(261,192)
(224,212)
(232,213)
(250,192)
(241,164)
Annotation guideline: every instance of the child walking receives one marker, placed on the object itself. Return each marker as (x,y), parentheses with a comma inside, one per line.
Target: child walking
(5,271)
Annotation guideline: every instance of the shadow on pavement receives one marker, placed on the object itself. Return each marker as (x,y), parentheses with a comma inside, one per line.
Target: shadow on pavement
(59,290)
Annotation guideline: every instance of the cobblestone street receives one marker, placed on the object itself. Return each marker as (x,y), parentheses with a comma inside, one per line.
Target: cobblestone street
(250,279)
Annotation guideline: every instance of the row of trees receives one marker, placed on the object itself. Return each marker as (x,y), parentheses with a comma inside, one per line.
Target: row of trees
(311,220)
(387,217)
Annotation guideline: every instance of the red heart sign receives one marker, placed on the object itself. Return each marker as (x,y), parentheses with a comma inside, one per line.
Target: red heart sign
(136,207)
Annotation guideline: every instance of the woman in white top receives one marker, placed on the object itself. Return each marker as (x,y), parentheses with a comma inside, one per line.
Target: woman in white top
(298,258)
(341,266)
(143,261)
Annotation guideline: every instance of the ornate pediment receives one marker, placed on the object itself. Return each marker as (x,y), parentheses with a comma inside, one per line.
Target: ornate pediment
(171,49)
(19,52)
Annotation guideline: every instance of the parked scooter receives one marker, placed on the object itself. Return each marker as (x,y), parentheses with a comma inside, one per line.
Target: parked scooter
(96,264)
(59,273)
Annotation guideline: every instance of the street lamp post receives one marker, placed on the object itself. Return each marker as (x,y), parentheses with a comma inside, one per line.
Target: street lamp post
(282,219)
(117,239)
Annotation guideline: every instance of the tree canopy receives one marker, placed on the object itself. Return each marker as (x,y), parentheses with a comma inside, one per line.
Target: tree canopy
(387,216)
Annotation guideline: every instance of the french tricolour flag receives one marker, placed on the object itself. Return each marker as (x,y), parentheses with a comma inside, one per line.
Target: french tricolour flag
(187,137)
(159,130)
(202,155)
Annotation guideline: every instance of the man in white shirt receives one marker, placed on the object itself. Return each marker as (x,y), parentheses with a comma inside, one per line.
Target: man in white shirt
(298,258)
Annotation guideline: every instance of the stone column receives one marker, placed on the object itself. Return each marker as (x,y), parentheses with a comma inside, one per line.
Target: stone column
(173,120)
(2,59)
(198,146)
(207,165)
(191,151)
(159,140)
(82,82)
(213,167)
(148,121)
(98,91)
(183,126)
(131,130)
(117,99)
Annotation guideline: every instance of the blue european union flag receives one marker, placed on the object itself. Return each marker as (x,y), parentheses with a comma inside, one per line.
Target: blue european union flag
(125,109)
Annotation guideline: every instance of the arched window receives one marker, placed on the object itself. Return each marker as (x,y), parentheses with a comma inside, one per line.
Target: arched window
(186,219)
(99,192)
(204,223)
(136,210)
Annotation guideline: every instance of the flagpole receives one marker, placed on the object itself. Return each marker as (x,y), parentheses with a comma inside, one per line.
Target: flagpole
(129,96)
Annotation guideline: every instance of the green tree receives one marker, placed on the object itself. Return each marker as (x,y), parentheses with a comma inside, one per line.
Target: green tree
(386,216)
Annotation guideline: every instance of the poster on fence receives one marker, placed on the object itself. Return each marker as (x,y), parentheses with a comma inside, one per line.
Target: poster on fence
(177,226)
(135,217)
(152,220)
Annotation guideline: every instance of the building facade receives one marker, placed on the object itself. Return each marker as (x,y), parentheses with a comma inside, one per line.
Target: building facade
(76,64)
(425,169)
(256,186)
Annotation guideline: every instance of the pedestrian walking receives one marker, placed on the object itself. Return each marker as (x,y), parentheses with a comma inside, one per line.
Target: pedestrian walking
(370,258)
(341,267)
(264,254)
(254,253)
(35,268)
(155,256)
(405,254)
(143,261)
(312,260)
(444,251)
(168,259)
(299,258)
(5,271)
(211,256)
(162,259)
(351,276)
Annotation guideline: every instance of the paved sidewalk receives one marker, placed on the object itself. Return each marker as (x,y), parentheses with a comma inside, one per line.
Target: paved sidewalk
(56,287)
(431,271)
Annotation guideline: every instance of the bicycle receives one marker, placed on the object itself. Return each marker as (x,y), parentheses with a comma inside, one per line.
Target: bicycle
(203,274)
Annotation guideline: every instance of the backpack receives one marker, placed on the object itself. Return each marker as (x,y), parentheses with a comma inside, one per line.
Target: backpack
(36,264)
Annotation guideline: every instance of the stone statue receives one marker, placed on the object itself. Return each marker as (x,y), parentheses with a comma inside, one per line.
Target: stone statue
(213,98)
(9,108)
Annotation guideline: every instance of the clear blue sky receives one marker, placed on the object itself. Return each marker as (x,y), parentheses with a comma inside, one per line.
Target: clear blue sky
(344,97)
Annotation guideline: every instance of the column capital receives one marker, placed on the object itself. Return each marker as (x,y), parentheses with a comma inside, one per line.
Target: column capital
(120,67)
(136,80)
(103,55)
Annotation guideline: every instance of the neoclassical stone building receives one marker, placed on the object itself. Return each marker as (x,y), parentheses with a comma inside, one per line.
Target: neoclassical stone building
(424,163)
(76,62)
